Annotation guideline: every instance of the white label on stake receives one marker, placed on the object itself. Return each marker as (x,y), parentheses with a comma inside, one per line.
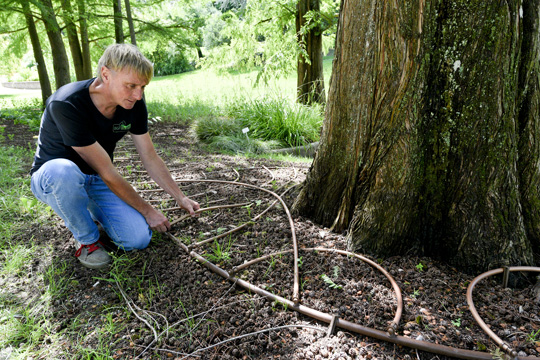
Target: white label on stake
(245,130)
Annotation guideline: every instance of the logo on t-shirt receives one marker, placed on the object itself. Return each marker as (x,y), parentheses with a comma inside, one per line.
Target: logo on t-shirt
(122,127)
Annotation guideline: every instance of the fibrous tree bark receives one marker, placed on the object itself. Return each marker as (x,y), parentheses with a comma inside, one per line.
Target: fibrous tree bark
(310,78)
(529,122)
(430,143)
(44,82)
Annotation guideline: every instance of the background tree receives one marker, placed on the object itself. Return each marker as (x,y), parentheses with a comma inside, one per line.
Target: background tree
(73,38)
(310,77)
(58,50)
(130,22)
(44,82)
(430,140)
(118,27)
(85,43)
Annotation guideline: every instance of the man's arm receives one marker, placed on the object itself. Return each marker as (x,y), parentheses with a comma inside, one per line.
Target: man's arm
(158,171)
(99,160)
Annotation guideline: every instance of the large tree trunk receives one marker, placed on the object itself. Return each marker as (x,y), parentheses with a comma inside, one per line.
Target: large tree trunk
(429,144)
(310,79)
(130,23)
(44,82)
(60,59)
(529,122)
(118,28)
(85,44)
(73,38)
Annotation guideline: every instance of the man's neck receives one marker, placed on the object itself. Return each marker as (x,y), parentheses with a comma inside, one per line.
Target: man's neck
(101,98)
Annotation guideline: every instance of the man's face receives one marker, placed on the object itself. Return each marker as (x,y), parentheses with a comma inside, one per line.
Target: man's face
(126,86)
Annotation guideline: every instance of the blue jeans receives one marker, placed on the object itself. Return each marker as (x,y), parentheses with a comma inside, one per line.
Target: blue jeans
(81,199)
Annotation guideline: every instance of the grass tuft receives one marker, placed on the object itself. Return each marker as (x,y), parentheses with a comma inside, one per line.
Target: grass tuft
(277,118)
(271,123)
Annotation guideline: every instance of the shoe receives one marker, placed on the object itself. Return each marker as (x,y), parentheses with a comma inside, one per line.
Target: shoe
(93,256)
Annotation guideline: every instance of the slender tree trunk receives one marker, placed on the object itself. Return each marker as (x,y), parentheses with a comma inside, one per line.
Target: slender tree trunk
(60,59)
(118,28)
(85,44)
(130,23)
(310,78)
(74,45)
(44,82)
(429,144)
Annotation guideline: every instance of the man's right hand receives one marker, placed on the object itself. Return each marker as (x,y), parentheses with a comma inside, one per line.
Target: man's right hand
(157,221)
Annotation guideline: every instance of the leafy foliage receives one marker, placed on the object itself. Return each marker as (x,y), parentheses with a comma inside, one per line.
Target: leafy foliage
(169,61)
(262,35)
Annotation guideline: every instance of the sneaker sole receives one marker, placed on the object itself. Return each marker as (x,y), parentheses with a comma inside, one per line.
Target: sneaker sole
(94,265)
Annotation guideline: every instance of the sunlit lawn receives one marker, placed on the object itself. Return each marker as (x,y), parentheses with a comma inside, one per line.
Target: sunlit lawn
(208,86)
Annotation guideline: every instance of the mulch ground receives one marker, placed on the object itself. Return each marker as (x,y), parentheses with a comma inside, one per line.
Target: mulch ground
(161,303)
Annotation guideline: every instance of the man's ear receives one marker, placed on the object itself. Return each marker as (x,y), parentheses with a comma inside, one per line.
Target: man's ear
(105,73)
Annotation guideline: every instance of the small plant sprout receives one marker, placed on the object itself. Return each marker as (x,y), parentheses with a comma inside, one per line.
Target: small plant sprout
(420,267)
(220,253)
(28,205)
(248,207)
(456,322)
(331,284)
(337,270)
(534,336)
(415,293)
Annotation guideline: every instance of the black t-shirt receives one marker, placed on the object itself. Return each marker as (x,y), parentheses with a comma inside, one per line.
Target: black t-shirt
(71,119)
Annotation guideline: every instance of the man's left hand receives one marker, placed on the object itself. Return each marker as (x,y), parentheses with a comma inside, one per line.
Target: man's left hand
(189,205)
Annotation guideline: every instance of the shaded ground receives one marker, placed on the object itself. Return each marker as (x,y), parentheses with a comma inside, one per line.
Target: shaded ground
(160,303)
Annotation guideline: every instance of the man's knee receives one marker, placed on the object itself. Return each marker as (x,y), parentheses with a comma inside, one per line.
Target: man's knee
(141,239)
(62,173)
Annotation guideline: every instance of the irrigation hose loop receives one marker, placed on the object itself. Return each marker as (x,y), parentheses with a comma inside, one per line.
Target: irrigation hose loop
(500,343)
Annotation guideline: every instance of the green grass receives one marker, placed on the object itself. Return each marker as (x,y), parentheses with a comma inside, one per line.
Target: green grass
(15,192)
(22,109)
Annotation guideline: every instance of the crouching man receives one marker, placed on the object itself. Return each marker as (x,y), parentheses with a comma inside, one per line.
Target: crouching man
(73,170)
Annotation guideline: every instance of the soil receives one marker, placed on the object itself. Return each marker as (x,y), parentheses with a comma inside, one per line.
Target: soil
(161,303)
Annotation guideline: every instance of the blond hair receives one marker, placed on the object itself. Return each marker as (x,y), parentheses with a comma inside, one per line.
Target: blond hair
(118,57)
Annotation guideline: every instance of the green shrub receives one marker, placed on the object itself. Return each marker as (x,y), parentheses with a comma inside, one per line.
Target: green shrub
(169,61)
